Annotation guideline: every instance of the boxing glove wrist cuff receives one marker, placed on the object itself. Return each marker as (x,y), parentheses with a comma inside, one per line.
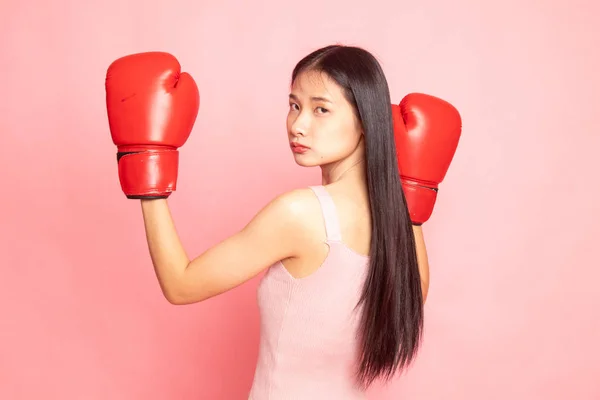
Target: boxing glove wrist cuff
(420,199)
(150,174)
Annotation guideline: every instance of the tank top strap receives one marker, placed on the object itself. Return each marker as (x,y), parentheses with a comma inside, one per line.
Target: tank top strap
(332,224)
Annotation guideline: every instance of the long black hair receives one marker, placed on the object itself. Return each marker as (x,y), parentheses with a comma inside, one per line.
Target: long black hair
(392,319)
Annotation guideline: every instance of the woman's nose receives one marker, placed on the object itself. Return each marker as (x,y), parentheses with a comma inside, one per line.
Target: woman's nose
(299,126)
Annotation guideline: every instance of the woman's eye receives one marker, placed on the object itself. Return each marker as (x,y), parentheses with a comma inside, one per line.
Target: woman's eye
(293,106)
(322,110)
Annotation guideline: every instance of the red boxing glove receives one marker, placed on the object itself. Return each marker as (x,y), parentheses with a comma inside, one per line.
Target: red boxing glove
(427,130)
(152,107)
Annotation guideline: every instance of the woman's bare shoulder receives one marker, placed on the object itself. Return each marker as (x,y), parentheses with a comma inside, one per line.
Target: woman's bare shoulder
(302,206)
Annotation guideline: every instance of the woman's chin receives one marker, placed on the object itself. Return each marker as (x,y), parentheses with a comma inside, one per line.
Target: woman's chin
(304,161)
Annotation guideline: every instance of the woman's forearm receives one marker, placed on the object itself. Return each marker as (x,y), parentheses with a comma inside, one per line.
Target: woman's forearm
(166,251)
(422,259)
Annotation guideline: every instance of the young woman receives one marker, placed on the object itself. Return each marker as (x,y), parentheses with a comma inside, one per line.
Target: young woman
(341,302)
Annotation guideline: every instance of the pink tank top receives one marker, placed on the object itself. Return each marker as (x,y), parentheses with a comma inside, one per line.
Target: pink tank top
(308,347)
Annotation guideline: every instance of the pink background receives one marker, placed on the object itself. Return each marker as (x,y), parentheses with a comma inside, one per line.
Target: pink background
(513,242)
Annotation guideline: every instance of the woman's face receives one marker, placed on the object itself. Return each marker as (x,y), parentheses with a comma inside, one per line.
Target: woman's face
(322,125)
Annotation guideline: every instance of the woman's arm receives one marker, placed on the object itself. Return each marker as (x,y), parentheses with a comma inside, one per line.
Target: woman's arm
(422,260)
(273,234)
